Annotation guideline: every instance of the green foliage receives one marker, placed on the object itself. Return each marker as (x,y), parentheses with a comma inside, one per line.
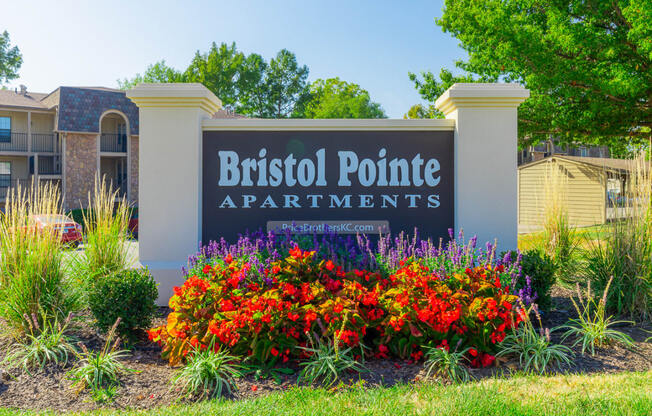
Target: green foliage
(418,111)
(99,370)
(327,362)
(533,348)
(430,88)
(106,228)
(10,59)
(129,295)
(441,361)
(625,254)
(245,83)
(157,72)
(33,280)
(587,64)
(592,326)
(334,98)
(541,269)
(208,373)
(46,344)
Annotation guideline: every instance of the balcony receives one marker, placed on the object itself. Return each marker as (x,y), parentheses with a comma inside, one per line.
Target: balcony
(6,186)
(113,143)
(13,142)
(45,143)
(18,142)
(49,165)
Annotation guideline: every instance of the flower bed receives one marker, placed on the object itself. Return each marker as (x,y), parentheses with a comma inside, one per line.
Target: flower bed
(269,294)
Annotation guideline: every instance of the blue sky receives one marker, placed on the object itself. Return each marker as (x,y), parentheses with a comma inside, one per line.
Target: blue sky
(371,43)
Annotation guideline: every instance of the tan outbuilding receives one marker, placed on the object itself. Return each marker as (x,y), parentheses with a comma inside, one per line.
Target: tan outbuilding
(594,189)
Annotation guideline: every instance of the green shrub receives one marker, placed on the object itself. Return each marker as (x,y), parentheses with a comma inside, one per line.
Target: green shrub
(129,295)
(541,269)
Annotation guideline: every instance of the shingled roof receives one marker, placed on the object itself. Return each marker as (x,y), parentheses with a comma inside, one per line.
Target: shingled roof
(80,108)
(29,100)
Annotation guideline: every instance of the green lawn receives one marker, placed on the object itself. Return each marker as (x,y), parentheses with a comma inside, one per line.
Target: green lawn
(586,237)
(604,394)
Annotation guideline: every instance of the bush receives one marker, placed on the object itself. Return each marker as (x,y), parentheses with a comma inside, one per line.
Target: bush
(270,312)
(129,295)
(538,269)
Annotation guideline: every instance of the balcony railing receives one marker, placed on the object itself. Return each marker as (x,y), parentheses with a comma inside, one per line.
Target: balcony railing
(13,142)
(113,143)
(18,142)
(45,142)
(49,165)
(6,186)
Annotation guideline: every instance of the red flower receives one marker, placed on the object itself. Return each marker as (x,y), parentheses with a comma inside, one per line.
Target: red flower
(207,269)
(473,352)
(254,387)
(274,351)
(330,265)
(228,259)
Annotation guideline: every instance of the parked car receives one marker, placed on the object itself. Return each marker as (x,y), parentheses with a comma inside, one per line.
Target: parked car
(71,232)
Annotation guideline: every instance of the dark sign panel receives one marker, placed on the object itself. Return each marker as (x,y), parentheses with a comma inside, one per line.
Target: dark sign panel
(312,181)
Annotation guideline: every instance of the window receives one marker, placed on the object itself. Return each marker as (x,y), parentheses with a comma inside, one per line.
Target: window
(5,129)
(5,174)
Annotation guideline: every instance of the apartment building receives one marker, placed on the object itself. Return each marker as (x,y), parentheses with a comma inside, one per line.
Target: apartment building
(69,136)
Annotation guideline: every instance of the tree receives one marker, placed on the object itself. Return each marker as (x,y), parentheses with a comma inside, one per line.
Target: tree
(245,83)
(285,85)
(586,63)
(219,70)
(157,72)
(334,98)
(430,89)
(10,59)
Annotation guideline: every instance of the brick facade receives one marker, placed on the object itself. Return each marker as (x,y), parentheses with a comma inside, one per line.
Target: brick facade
(80,168)
(133,170)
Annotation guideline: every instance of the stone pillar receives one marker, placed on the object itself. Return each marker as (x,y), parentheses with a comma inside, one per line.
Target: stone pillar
(486,199)
(170,167)
(80,168)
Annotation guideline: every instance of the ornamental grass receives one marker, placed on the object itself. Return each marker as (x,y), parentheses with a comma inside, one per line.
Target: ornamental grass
(33,281)
(625,254)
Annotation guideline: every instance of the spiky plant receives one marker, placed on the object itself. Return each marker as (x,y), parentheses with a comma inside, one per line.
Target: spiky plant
(44,345)
(592,327)
(534,349)
(208,373)
(440,361)
(327,362)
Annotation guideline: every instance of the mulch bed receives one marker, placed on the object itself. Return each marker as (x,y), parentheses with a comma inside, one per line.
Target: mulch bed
(149,385)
